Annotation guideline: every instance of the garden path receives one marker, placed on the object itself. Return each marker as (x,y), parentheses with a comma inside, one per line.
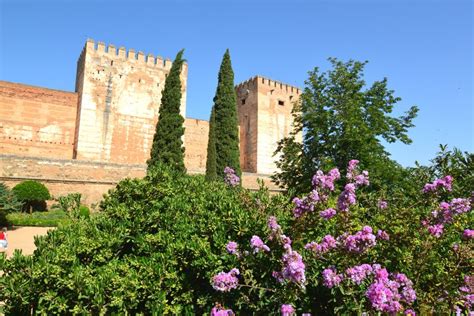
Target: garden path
(23,238)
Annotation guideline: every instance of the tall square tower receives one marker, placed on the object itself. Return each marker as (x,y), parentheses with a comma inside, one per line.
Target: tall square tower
(119,96)
(264,107)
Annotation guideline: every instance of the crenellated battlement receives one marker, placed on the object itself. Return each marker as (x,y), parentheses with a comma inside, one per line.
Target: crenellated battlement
(284,87)
(125,55)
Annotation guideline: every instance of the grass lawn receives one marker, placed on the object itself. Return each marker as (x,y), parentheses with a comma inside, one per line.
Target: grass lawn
(48,219)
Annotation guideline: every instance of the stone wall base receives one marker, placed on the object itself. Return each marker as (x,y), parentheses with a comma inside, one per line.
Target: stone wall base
(91,179)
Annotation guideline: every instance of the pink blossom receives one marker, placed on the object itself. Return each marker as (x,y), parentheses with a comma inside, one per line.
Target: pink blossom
(445,183)
(382,204)
(232,247)
(257,244)
(226,281)
(468,233)
(381,234)
(219,311)
(287,310)
(328,213)
(331,278)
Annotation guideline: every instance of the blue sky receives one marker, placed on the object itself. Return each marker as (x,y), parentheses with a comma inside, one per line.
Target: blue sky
(424,47)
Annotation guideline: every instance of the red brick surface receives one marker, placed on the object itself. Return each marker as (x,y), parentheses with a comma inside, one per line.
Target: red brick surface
(36,121)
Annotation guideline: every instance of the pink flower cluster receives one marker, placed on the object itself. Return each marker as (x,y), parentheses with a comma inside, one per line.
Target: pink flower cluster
(385,293)
(331,278)
(232,248)
(257,244)
(325,182)
(293,269)
(322,185)
(382,204)
(328,243)
(444,215)
(360,241)
(306,204)
(220,311)
(445,183)
(328,213)
(226,281)
(273,225)
(357,243)
(467,292)
(348,196)
(381,234)
(359,273)
(468,233)
(230,178)
(287,310)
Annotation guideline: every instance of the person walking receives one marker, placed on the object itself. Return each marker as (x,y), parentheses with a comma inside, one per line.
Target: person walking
(3,239)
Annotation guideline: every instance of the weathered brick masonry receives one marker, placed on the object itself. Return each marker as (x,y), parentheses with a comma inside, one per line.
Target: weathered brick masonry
(91,179)
(88,140)
(37,121)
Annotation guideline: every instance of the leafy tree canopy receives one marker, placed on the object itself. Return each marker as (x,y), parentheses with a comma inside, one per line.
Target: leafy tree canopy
(342,119)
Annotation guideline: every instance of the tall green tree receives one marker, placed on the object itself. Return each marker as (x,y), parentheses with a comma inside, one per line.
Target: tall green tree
(211,172)
(342,119)
(167,145)
(226,121)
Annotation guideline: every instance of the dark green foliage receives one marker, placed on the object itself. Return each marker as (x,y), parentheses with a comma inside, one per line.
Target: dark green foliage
(50,218)
(167,145)
(84,212)
(211,172)
(32,194)
(8,200)
(226,120)
(343,120)
(458,164)
(70,203)
(158,241)
(153,249)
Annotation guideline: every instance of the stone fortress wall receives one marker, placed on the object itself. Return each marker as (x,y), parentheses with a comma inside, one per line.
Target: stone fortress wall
(88,140)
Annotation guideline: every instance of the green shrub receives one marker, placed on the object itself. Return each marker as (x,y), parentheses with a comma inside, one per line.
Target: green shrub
(70,203)
(84,212)
(159,241)
(154,247)
(51,218)
(8,200)
(32,194)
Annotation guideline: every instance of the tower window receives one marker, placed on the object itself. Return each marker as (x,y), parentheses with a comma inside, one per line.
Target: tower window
(111,63)
(243,101)
(280,102)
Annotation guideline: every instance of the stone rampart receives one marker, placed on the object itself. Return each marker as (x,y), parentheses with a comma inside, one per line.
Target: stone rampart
(91,179)
(36,121)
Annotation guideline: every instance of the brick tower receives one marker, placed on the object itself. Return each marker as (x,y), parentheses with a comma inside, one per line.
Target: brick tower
(119,95)
(264,108)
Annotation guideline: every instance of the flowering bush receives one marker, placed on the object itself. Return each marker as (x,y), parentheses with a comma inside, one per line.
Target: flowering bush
(175,244)
(344,271)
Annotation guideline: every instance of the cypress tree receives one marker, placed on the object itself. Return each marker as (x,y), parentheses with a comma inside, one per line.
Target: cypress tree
(211,173)
(226,120)
(167,147)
